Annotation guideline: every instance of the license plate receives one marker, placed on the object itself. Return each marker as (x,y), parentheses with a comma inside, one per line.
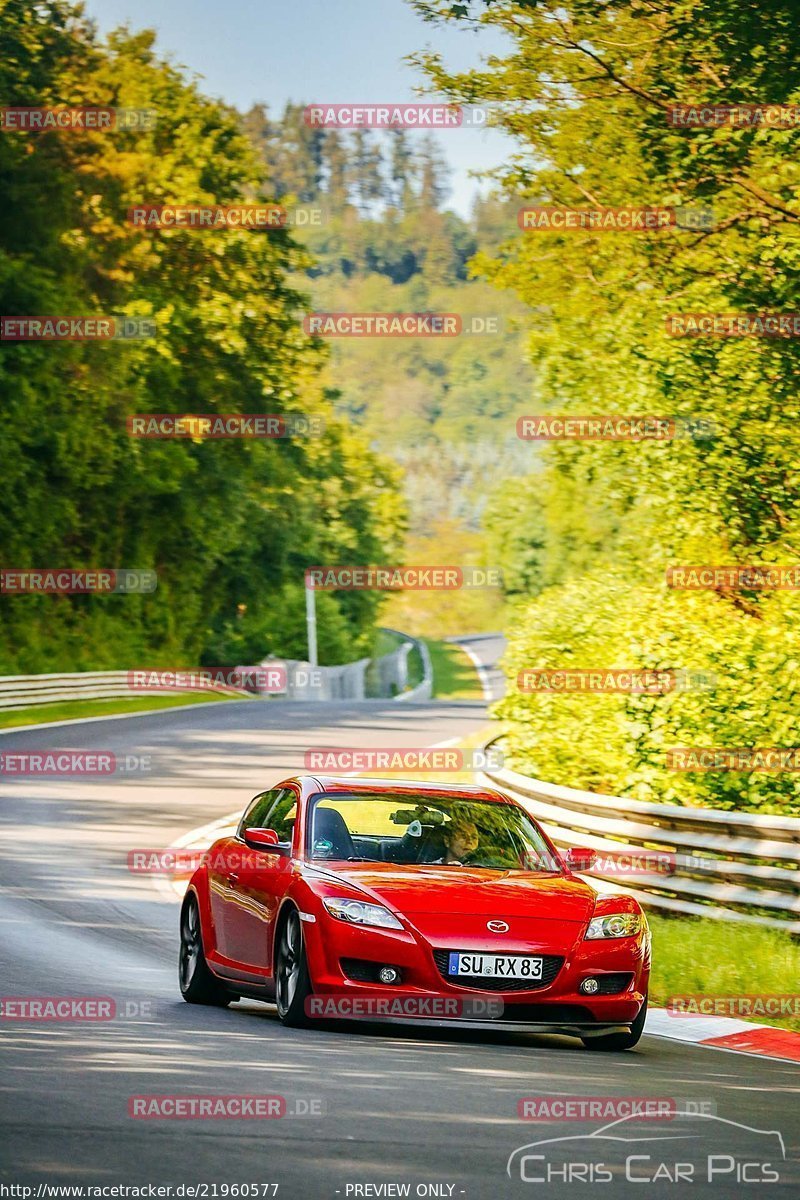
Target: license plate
(496,966)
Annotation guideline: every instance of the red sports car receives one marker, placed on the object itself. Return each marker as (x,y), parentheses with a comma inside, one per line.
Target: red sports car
(343,897)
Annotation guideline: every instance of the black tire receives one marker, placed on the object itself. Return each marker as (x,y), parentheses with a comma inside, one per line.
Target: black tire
(620,1041)
(197,982)
(292,980)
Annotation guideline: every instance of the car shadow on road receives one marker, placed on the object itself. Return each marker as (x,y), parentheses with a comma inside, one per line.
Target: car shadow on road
(431,1031)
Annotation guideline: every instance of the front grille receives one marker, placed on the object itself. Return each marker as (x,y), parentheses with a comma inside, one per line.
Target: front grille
(613,983)
(551,965)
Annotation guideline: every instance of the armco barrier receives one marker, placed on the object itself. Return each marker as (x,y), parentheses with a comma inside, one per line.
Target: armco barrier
(384,678)
(20,691)
(347,681)
(424,689)
(740,866)
(304,682)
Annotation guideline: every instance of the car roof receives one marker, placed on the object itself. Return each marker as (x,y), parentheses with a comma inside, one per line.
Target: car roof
(398,787)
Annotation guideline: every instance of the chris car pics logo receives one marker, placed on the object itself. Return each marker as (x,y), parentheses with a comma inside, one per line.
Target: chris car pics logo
(694,1148)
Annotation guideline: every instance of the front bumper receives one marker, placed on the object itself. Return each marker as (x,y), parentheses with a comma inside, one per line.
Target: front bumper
(556,1003)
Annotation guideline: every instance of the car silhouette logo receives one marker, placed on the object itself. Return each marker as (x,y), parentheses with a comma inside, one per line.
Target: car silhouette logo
(497,926)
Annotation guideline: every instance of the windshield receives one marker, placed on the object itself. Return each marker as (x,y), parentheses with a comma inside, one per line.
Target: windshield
(419,831)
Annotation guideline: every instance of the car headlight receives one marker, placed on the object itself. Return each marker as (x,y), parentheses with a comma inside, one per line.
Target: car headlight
(359,913)
(615,925)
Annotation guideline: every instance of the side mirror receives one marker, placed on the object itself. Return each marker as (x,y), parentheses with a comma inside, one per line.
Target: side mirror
(264,839)
(580,858)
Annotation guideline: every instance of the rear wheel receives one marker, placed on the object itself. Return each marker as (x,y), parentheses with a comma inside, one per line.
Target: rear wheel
(292,980)
(620,1041)
(197,982)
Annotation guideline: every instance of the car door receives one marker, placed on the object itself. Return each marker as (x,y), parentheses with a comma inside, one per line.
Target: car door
(253,883)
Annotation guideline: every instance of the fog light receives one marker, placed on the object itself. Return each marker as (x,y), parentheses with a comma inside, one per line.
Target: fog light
(388,975)
(589,986)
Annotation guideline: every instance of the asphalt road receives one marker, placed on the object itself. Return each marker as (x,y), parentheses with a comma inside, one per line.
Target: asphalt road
(434,1109)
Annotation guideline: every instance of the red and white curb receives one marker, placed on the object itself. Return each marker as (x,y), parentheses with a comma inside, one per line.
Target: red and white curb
(725,1033)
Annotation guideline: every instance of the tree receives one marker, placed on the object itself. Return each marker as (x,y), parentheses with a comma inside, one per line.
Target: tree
(228,526)
(367,163)
(433,175)
(589,90)
(338,172)
(402,170)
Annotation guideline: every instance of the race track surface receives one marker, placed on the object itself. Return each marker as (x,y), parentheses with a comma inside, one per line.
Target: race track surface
(394,1104)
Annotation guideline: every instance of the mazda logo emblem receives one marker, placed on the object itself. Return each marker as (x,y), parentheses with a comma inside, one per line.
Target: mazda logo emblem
(497,926)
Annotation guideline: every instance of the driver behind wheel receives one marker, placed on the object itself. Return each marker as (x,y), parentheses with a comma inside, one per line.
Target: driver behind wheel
(460,839)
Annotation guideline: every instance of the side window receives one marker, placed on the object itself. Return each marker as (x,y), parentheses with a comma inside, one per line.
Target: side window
(257,811)
(283,814)
(271,810)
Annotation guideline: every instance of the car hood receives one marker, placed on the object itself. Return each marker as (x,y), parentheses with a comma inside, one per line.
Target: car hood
(470,891)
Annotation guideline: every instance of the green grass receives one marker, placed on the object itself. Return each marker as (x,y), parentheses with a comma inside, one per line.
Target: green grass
(454,675)
(72,709)
(723,958)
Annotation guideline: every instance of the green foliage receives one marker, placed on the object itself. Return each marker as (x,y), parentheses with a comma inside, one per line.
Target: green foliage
(439,406)
(745,672)
(586,90)
(447,613)
(229,526)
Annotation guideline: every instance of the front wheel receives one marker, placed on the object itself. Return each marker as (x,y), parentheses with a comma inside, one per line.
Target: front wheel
(197,982)
(292,980)
(620,1041)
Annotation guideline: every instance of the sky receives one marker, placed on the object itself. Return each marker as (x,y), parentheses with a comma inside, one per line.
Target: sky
(263,51)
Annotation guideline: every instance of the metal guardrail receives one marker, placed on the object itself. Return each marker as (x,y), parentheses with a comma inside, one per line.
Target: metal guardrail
(21,691)
(424,689)
(384,678)
(739,866)
(345,682)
